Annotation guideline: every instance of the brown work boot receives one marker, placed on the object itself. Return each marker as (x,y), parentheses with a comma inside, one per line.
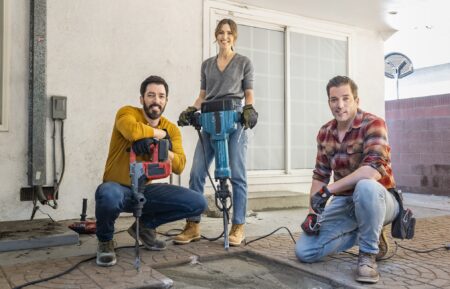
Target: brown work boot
(236,234)
(105,254)
(191,233)
(147,237)
(383,245)
(367,268)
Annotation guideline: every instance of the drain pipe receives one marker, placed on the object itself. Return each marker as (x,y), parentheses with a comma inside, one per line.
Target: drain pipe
(37,102)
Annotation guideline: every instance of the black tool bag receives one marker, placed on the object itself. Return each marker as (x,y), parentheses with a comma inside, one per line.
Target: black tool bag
(404,224)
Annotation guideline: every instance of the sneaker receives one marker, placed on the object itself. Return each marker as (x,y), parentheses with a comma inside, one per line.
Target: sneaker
(367,268)
(147,237)
(191,233)
(236,234)
(105,254)
(383,245)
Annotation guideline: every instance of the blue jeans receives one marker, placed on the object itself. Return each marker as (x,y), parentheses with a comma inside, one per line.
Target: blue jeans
(237,151)
(165,203)
(348,220)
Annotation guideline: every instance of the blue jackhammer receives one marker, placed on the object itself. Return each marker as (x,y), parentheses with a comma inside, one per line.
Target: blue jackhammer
(219,118)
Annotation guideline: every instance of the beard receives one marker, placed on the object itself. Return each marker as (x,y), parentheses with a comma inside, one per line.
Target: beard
(151,113)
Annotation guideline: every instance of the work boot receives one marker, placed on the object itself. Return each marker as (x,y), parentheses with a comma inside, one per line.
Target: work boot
(236,234)
(191,233)
(367,268)
(105,254)
(383,245)
(147,237)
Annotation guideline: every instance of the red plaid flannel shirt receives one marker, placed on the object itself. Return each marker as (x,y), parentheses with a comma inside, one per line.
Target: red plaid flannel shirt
(365,144)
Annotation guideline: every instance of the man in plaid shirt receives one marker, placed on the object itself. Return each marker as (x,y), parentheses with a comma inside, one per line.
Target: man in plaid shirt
(354,147)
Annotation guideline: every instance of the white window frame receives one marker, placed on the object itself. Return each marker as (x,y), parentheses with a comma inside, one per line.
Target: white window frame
(264,18)
(5,69)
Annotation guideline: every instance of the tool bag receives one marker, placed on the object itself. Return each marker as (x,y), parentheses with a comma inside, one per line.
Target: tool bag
(404,224)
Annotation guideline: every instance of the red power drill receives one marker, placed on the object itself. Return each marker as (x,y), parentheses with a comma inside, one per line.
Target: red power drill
(158,167)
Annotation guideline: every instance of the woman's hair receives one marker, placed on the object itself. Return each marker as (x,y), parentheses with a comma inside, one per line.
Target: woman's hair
(231,23)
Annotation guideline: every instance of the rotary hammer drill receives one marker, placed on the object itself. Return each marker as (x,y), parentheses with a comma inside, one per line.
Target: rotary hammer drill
(140,173)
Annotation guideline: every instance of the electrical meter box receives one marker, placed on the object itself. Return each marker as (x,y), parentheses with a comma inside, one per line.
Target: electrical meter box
(59,107)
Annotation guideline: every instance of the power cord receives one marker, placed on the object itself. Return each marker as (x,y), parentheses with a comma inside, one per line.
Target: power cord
(397,245)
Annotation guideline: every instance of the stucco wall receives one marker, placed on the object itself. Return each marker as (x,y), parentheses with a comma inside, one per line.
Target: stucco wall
(13,143)
(98,52)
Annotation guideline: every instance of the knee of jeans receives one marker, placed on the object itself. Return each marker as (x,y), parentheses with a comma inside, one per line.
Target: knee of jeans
(306,254)
(107,196)
(366,190)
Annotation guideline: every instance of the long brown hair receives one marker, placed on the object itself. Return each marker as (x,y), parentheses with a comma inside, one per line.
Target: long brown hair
(231,23)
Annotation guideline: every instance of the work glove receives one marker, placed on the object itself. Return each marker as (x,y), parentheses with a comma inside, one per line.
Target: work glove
(319,199)
(186,116)
(167,137)
(142,146)
(310,225)
(249,116)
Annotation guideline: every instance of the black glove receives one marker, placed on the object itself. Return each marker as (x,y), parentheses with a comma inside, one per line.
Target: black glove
(249,116)
(310,225)
(167,137)
(186,116)
(319,199)
(142,146)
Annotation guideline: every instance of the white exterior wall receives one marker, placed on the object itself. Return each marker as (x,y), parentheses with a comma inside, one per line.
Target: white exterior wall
(367,70)
(13,143)
(98,52)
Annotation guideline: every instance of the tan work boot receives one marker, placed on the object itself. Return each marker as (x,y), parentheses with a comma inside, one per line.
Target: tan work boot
(105,254)
(367,268)
(236,234)
(383,245)
(191,233)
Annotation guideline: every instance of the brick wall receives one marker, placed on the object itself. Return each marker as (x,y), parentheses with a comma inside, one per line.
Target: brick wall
(419,134)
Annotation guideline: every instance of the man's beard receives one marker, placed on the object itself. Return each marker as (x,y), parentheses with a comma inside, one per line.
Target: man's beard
(152,114)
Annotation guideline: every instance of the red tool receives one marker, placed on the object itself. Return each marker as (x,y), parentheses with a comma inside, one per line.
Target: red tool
(158,167)
(83,226)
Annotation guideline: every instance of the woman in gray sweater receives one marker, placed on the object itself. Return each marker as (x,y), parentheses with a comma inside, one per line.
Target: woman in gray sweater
(227,75)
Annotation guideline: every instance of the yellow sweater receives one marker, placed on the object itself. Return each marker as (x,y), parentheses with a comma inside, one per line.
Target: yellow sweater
(130,125)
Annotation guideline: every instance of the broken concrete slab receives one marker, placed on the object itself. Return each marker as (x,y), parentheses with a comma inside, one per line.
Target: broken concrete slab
(19,235)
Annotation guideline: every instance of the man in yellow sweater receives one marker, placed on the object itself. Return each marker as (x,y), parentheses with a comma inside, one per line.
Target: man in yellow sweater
(136,127)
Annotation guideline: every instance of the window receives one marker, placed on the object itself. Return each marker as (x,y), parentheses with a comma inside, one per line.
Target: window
(314,61)
(265,47)
(293,61)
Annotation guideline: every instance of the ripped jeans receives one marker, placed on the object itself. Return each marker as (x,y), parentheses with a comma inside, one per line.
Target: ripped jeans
(350,220)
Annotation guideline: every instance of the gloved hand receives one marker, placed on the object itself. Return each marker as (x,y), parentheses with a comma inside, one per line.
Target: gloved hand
(167,137)
(142,146)
(319,199)
(249,116)
(186,115)
(310,225)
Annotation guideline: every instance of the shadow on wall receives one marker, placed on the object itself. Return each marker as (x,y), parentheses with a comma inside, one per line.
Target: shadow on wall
(419,134)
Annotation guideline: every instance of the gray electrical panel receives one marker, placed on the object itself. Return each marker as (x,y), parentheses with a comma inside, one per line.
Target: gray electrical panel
(59,107)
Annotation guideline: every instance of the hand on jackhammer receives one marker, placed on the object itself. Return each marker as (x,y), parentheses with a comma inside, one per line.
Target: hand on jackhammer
(142,146)
(310,225)
(319,200)
(186,116)
(249,116)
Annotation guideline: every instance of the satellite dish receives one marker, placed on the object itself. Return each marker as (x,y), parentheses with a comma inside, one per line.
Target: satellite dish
(397,66)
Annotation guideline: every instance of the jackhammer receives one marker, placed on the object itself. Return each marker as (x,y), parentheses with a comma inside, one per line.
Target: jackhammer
(219,118)
(140,173)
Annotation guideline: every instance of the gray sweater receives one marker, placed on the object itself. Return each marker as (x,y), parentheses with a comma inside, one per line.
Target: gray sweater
(237,76)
